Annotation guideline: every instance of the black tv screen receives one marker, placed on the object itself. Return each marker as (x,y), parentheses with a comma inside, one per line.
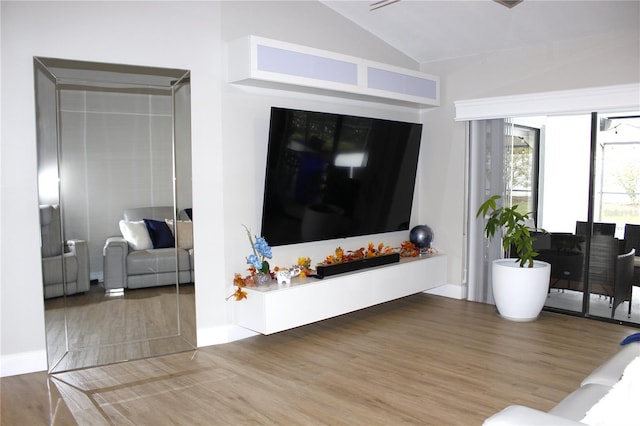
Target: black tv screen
(333,176)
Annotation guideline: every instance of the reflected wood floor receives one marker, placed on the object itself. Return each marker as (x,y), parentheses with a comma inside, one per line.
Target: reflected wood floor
(104,329)
(423,359)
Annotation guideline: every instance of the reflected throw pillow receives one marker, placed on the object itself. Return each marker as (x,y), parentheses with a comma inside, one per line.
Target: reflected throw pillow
(185,233)
(160,234)
(136,234)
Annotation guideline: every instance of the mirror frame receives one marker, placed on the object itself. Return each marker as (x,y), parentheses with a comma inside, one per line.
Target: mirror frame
(51,75)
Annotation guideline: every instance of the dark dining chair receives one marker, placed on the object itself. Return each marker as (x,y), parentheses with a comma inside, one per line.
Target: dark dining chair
(566,256)
(632,241)
(611,273)
(599,228)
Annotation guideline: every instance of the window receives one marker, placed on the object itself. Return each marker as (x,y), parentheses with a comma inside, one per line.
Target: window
(521,167)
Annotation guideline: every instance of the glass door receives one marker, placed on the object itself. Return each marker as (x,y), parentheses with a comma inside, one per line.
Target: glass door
(579,178)
(613,267)
(589,193)
(563,195)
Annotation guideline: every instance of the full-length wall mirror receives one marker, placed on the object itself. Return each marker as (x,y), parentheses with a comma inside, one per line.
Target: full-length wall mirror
(116,217)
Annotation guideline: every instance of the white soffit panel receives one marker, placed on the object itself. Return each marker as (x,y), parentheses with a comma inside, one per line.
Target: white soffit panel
(578,101)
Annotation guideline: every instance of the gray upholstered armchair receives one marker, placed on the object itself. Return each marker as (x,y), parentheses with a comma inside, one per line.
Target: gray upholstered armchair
(61,262)
(146,254)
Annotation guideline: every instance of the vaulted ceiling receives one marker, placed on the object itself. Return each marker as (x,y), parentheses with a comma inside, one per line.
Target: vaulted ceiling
(431,30)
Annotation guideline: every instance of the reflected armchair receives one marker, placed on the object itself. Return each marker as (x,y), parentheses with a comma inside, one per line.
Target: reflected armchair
(65,267)
(138,259)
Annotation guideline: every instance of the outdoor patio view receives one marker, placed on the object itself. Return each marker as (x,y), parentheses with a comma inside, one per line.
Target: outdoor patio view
(553,170)
(617,197)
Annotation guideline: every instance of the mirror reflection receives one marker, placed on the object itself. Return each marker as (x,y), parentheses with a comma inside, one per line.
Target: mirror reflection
(114,189)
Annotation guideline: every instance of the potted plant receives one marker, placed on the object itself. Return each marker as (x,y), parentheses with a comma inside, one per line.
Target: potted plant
(519,284)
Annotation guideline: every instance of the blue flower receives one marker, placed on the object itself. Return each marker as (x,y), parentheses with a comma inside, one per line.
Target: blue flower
(262,247)
(261,251)
(255,261)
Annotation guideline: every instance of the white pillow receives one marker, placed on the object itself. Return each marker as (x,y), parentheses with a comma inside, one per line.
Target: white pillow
(136,234)
(185,233)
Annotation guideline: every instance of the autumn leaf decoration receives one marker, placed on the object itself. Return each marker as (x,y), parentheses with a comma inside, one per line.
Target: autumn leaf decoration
(239,294)
(335,258)
(305,266)
(239,282)
(406,249)
(362,253)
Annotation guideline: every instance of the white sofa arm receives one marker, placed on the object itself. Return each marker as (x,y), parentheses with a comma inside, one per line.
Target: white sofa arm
(610,371)
(80,250)
(521,415)
(115,254)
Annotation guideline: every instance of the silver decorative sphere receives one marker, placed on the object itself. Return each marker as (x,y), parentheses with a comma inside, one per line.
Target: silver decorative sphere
(421,237)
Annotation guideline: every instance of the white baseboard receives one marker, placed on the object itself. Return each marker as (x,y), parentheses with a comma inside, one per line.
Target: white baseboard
(222,334)
(450,290)
(238,333)
(22,363)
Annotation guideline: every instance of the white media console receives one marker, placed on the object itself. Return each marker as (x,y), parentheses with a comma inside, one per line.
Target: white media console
(306,300)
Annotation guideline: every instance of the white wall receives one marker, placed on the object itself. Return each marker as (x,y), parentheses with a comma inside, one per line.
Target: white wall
(246,117)
(582,63)
(229,125)
(163,34)
(228,142)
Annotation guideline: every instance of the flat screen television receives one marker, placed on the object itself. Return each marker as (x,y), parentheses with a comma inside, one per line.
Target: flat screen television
(333,176)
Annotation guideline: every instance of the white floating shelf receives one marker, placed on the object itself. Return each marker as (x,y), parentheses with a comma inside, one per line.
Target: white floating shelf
(263,62)
(307,300)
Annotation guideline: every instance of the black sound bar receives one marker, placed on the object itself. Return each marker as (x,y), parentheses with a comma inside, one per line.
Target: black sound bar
(323,271)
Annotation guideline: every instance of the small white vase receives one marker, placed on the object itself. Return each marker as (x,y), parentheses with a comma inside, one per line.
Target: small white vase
(520,293)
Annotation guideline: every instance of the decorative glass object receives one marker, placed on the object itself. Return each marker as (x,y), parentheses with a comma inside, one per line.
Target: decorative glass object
(421,236)
(262,280)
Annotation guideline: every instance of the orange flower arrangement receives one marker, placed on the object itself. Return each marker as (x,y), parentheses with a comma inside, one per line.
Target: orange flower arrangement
(407,249)
(371,251)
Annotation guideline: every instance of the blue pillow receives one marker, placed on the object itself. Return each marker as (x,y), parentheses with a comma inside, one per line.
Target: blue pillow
(160,233)
(631,338)
(189,213)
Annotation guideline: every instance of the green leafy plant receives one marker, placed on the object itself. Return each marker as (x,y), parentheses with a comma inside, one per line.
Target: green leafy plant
(516,234)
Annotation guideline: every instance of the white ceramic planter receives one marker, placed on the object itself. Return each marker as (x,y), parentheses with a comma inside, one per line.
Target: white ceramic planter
(520,293)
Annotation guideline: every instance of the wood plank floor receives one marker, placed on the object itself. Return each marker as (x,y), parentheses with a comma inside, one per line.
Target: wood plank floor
(423,360)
